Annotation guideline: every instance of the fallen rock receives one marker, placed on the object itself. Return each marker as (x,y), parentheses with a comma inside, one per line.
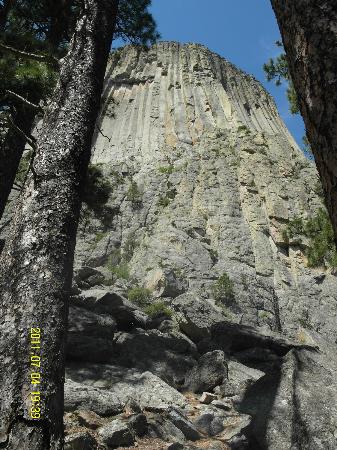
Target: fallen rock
(117,387)
(164,429)
(86,277)
(209,372)
(126,314)
(89,419)
(80,441)
(234,425)
(184,425)
(207,398)
(196,316)
(90,335)
(240,377)
(138,424)
(116,434)
(209,423)
(81,396)
(225,404)
(168,355)
(165,283)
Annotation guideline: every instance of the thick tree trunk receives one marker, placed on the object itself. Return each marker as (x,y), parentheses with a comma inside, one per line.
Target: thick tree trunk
(36,263)
(11,152)
(309,33)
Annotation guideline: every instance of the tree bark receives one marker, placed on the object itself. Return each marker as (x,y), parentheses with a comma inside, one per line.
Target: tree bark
(309,33)
(36,263)
(11,152)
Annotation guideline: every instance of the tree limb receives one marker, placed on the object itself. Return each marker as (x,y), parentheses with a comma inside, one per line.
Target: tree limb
(24,100)
(27,55)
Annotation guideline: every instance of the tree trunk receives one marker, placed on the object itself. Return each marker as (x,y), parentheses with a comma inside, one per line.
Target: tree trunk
(309,33)
(36,263)
(11,151)
(4,11)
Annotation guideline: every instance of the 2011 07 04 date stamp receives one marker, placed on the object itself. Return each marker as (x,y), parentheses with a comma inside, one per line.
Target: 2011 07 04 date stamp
(35,373)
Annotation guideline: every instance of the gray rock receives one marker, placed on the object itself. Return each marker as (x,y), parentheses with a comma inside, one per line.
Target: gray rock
(225,404)
(90,335)
(168,355)
(107,301)
(165,430)
(207,398)
(196,316)
(116,434)
(184,425)
(209,423)
(138,424)
(240,378)
(80,441)
(81,396)
(86,277)
(209,372)
(106,388)
(89,419)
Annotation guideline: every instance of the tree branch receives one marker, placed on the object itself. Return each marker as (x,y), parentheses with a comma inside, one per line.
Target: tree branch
(26,55)
(24,100)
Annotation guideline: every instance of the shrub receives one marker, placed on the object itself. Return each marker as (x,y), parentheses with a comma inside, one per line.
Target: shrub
(134,195)
(223,289)
(321,250)
(158,309)
(166,169)
(139,295)
(97,188)
(121,271)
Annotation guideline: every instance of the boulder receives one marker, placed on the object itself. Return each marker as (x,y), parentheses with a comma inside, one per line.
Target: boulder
(90,335)
(116,434)
(240,377)
(196,316)
(207,398)
(80,441)
(81,396)
(89,419)
(107,389)
(165,283)
(168,355)
(138,424)
(209,372)
(107,301)
(186,426)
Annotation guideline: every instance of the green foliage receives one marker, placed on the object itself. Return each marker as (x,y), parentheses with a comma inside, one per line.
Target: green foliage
(295,227)
(321,250)
(158,309)
(166,169)
(163,201)
(223,289)
(97,189)
(134,195)
(99,236)
(243,128)
(121,271)
(139,295)
(277,70)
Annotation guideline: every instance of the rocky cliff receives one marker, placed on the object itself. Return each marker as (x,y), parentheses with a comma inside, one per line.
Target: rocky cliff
(186,278)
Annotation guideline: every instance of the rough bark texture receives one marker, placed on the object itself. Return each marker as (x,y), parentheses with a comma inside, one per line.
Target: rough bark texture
(11,152)
(36,263)
(309,33)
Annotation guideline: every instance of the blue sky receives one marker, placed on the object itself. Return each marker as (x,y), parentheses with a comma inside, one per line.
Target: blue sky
(242,31)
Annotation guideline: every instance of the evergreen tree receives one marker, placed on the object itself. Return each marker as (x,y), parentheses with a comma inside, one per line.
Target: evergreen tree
(309,36)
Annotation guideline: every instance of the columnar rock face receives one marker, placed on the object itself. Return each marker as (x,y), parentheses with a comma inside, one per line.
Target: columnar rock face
(185,278)
(205,178)
(194,181)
